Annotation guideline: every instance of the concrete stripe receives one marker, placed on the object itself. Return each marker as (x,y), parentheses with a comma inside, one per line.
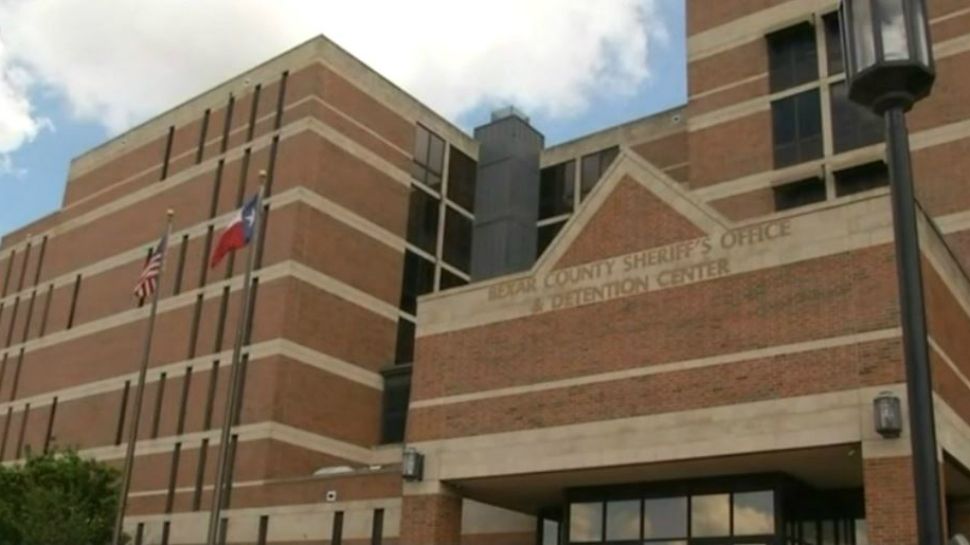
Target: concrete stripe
(292,129)
(824,419)
(762,103)
(287,523)
(301,195)
(936,136)
(935,346)
(258,354)
(669,367)
(285,269)
(727,87)
(188,489)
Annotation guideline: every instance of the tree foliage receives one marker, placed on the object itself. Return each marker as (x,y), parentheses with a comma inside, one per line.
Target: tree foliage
(57,498)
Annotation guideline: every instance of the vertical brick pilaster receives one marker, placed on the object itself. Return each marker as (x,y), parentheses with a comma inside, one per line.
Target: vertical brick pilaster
(890,500)
(433,519)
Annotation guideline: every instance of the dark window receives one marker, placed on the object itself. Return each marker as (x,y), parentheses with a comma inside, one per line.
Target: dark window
(166,529)
(173,472)
(792,57)
(449,280)
(457,247)
(264,520)
(168,152)
(853,126)
(159,397)
(47,310)
(461,179)
(200,150)
(429,157)
(16,375)
(377,528)
(397,393)
(3,370)
(797,128)
(418,280)
(556,189)
(120,430)
(6,277)
(253,112)
(177,288)
(183,405)
(23,268)
(337,530)
(40,260)
(6,430)
(227,124)
(200,476)
(23,429)
(545,236)
(194,326)
(13,317)
(801,193)
(861,178)
(210,395)
(49,434)
(423,212)
(281,100)
(833,43)
(592,168)
(140,533)
(404,352)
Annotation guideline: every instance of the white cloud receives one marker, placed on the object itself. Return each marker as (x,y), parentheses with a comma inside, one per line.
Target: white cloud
(120,61)
(18,122)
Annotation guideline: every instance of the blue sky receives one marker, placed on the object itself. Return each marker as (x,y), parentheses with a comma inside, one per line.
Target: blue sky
(74,114)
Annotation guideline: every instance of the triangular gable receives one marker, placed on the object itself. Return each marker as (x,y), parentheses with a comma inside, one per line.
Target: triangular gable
(635,206)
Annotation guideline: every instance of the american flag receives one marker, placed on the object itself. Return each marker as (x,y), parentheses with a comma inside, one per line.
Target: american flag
(148,281)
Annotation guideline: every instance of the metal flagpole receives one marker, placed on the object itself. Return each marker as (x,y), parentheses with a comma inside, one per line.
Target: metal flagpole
(140,392)
(235,374)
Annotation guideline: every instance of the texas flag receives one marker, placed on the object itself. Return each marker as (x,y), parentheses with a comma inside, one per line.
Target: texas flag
(238,233)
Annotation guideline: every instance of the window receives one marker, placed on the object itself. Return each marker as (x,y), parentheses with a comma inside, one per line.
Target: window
(449,280)
(423,220)
(429,154)
(404,350)
(833,43)
(799,193)
(623,520)
(418,280)
(710,515)
(797,128)
(754,513)
(397,393)
(853,126)
(593,166)
(550,532)
(457,248)
(792,57)
(586,522)
(546,234)
(556,189)
(337,530)
(861,178)
(377,528)
(462,173)
(665,518)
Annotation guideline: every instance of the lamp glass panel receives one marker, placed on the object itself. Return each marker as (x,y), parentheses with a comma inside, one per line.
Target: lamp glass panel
(863,35)
(892,26)
(919,29)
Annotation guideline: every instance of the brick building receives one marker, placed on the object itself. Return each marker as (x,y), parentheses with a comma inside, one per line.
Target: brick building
(666,332)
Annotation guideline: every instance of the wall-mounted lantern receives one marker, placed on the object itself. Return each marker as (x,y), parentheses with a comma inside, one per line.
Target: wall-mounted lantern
(888,415)
(412,465)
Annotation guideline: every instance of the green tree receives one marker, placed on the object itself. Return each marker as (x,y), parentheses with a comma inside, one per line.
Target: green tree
(58,498)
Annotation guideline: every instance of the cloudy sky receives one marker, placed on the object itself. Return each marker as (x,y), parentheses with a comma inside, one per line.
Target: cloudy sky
(76,72)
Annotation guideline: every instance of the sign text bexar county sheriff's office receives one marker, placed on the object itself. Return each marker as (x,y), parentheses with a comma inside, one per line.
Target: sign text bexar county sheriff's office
(617,276)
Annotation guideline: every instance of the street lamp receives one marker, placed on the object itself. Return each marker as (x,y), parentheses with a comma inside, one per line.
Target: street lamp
(889,67)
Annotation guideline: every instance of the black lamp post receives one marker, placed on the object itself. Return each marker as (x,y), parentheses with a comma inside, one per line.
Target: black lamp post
(889,66)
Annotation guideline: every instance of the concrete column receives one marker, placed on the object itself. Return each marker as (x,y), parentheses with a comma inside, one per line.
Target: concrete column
(431,519)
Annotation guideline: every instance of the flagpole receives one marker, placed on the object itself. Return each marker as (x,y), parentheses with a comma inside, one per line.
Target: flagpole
(140,391)
(235,374)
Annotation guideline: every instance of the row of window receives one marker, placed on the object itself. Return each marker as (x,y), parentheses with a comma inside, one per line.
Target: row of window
(336,533)
(847,182)
(673,519)
(797,119)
